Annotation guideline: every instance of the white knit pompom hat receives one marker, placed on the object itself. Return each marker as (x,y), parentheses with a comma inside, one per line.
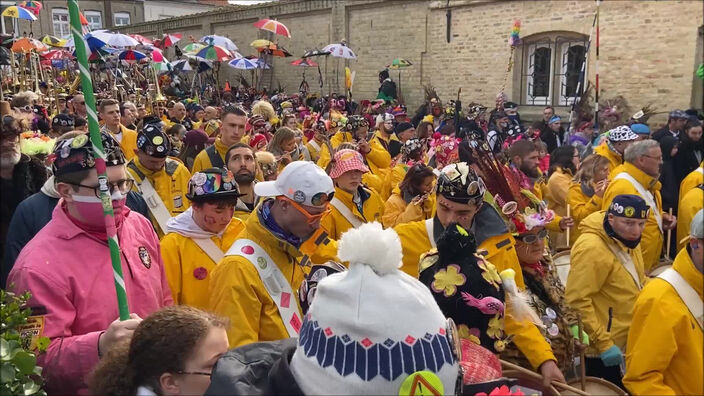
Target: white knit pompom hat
(373,330)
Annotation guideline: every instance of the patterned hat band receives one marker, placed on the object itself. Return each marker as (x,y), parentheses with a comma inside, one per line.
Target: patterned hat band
(210,183)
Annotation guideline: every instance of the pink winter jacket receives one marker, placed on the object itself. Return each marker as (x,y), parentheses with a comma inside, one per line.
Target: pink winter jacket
(69,275)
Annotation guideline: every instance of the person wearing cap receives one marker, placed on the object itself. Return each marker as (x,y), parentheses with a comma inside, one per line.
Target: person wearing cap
(412,152)
(197,239)
(403,132)
(554,134)
(68,270)
(384,132)
(253,284)
(232,131)
(499,131)
(354,203)
(242,163)
(665,349)
(60,124)
(109,112)
(614,147)
(642,130)
(639,176)
(374,309)
(676,121)
(162,181)
(603,291)
(460,199)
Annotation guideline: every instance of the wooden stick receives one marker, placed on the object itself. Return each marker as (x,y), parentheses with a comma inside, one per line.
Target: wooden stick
(583,368)
(669,238)
(568,229)
(537,376)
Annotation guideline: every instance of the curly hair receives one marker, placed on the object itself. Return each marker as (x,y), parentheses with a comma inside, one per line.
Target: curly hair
(161,344)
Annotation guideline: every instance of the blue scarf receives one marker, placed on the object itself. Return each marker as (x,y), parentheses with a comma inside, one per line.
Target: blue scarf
(270,224)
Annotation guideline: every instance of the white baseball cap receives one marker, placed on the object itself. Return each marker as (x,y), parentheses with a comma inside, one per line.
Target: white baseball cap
(301,181)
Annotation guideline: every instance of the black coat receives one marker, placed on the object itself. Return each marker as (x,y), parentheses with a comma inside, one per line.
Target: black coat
(686,160)
(261,368)
(550,138)
(388,88)
(670,184)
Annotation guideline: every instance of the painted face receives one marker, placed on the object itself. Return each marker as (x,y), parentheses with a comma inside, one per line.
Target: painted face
(213,217)
(454,212)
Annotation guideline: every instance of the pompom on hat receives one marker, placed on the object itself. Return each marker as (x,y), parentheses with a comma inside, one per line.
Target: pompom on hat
(374,330)
(622,133)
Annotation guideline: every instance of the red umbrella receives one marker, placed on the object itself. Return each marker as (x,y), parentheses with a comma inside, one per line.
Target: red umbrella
(170,39)
(57,55)
(140,38)
(304,62)
(273,26)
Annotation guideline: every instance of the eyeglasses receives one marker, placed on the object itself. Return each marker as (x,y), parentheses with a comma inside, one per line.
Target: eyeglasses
(310,218)
(124,186)
(533,238)
(194,373)
(25,109)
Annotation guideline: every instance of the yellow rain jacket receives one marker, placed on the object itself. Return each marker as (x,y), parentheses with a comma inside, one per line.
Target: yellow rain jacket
(690,204)
(335,224)
(237,292)
(693,179)
(314,148)
(188,268)
(652,240)
(556,198)
(397,211)
(378,135)
(664,355)
(415,241)
(171,183)
(599,282)
(128,143)
(581,206)
(615,159)
(202,160)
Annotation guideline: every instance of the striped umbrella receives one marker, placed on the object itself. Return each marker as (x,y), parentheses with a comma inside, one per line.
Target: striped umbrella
(214,53)
(19,13)
(193,47)
(57,55)
(242,63)
(222,41)
(157,56)
(34,6)
(170,39)
(140,38)
(273,26)
(131,55)
(164,66)
(115,39)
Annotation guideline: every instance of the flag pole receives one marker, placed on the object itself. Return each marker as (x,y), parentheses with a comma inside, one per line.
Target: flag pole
(99,153)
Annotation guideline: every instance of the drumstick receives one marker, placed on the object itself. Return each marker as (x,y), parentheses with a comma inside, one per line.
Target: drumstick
(669,237)
(568,229)
(540,377)
(583,368)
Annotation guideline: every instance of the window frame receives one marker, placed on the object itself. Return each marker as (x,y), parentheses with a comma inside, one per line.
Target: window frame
(539,100)
(91,14)
(59,11)
(121,14)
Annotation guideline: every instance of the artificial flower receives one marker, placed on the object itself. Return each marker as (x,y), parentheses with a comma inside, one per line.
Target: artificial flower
(447,280)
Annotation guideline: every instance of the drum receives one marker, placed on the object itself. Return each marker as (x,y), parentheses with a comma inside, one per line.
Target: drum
(561,261)
(530,381)
(595,386)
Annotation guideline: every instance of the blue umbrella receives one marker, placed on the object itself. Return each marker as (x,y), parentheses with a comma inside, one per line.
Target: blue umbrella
(131,55)
(242,63)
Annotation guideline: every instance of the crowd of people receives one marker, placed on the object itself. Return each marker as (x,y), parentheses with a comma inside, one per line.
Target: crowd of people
(297,244)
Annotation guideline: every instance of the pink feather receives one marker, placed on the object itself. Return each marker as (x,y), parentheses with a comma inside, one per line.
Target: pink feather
(487,305)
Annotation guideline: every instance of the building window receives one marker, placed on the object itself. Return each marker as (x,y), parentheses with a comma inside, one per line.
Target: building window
(95,19)
(122,18)
(551,69)
(59,17)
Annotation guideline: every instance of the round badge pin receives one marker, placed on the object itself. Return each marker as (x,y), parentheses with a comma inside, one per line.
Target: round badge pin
(261,261)
(160,149)
(157,140)
(299,196)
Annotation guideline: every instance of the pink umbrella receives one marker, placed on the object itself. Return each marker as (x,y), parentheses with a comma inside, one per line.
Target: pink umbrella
(273,26)
(157,56)
(170,39)
(140,38)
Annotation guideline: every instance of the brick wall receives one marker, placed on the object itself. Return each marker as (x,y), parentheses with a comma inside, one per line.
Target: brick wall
(648,48)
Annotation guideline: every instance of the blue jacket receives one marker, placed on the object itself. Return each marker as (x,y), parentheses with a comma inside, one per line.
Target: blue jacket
(32,214)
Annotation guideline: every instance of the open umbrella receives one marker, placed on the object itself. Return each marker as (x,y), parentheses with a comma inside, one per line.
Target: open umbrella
(57,55)
(115,39)
(140,38)
(94,43)
(34,6)
(243,64)
(157,56)
(340,50)
(25,44)
(19,13)
(262,63)
(273,26)
(398,64)
(170,39)
(131,55)
(214,53)
(53,41)
(315,52)
(162,66)
(304,62)
(193,47)
(221,41)
(274,50)
(181,65)
(260,43)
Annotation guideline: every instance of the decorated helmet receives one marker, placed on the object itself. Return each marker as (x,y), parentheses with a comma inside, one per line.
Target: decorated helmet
(459,183)
(212,183)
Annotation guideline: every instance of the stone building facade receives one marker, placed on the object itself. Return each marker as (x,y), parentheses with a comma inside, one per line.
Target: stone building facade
(649,50)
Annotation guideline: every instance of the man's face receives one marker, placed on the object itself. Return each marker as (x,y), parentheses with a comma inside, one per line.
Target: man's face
(547,114)
(555,126)
(407,134)
(211,113)
(454,212)
(627,228)
(179,111)
(141,112)
(695,134)
(299,223)
(213,217)
(79,105)
(153,164)
(111,115)
(67,192)
(232,129)
(651,163)
(242,165)
(199,115)
(529,164)
(681,122)
(128,117)
(132,97)
(530,253)
(388,126)
(361,133)
(502,122)
(9,151)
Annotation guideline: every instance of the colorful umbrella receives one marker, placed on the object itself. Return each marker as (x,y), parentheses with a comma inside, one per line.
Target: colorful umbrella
(53,41)
(214,53)
(19,13)
(340,50)
(221,41)
(157,56)
(181,65)
(273,26)
(243,63)
(260,43)
(94,43)
(115,39)
(305,62)
(33,6)
(261,63)
(193,47)
(315,52)
(140,38)
(25,44)
(162,66)
(275,50)
(170,39)
(131,55)
(399,63)
(57,55)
